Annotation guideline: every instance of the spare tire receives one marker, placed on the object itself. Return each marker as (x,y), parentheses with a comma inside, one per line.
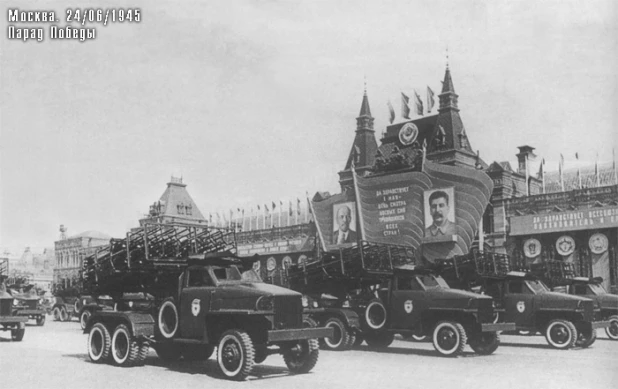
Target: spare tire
(375,315)
(168,318)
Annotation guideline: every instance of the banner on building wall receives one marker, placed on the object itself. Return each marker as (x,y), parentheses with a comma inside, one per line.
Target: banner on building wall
(586,219)
(439,209)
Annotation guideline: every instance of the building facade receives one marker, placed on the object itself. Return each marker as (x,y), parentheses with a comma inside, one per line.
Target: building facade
(70,253)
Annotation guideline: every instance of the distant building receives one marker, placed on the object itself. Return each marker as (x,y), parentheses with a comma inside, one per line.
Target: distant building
(70,253)
(174,206)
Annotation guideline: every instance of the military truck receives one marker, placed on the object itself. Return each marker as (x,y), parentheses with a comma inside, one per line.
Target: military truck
(8,321)
(377,293)
(26,301)
(561,276)
(204,297)
(565,320)
(70,303)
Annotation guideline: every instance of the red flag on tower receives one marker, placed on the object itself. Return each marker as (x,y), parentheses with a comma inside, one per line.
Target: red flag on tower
(419,104)
(430,99)
(405,109)
(391,111)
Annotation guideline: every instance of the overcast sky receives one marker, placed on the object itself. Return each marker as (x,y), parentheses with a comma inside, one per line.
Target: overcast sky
(255,101)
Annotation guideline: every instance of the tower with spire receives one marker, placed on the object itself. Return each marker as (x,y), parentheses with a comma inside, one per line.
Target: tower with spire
(448,142)
(364,148)
(174,206)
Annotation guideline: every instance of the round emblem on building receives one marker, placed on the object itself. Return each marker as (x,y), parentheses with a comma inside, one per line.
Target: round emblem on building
(598,243)
(408,134)
(271,264)
(286,263)
(302,260)
(532,248)
(195,307)
(256,265)
(408,306)
(565,245)
(521,306)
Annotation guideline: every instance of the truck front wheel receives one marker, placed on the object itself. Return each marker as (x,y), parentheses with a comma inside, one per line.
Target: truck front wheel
(449,338)
(64,315)
(585,337)
(235,354)
(83,318)
(125,349)
(561,334)
(485,343)
(341,339)
(612,330)
(303,357)
(40,321)
(99,342)
(56,314)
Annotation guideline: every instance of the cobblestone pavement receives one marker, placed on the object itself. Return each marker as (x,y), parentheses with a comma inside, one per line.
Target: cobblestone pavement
(54,356)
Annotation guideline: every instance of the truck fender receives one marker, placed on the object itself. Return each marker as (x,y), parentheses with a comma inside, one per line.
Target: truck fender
(140,324)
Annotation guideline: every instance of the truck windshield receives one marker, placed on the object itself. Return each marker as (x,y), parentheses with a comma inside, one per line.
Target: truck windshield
(537,286)
(232,275)
(429,281)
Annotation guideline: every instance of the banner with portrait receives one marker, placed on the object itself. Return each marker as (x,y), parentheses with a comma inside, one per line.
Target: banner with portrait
(396,208)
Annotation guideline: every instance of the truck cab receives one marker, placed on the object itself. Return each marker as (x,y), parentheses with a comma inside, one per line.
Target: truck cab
(565,320)
(417,301)
(9,321)
(593,289)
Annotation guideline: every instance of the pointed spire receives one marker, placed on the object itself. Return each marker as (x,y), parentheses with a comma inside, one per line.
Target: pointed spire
(448,97)
(365,111)
(447,84)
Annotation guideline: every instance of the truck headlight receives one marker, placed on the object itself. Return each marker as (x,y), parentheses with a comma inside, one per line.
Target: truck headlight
(15,302)
(130,304)
(315,304)
(305,302)
(264,303)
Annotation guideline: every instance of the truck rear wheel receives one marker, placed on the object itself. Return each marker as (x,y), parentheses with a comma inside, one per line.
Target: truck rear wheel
(375,314)
(303,357)
(125,349)
(168,318)
(585,338)
(341,336)
(17,334)
(40,321)
(99,343)
(485,343)
(56,313)
(64,315)
(83,318)
(235,354)
(449,338)
(561,334)
(612,330)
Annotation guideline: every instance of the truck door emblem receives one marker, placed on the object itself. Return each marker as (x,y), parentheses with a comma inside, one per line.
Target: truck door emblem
(521,306)
(408,306)
(195,307)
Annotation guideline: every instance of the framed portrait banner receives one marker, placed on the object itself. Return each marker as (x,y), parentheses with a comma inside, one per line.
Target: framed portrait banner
(439,212)
(532,248)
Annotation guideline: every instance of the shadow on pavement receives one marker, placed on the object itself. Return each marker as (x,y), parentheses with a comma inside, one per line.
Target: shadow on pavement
(541,346)
(208,367)
(409,351)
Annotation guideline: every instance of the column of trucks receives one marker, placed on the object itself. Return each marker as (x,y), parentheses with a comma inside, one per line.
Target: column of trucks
(203,297)
(8,320)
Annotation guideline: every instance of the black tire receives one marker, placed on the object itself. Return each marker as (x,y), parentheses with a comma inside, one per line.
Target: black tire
(40,321)
(340,340)
(144,348)
(449,338)
(375,315)
(125,349)
(379,340)
(612,330)
(99,343)
(83,318)
(561,334)
(303,357)
(169,352)
(167,319)
(197,352)
(17,334)
(235,355)
(585,338)
(56,313)
(64,315)
(485,343)
(414,337)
